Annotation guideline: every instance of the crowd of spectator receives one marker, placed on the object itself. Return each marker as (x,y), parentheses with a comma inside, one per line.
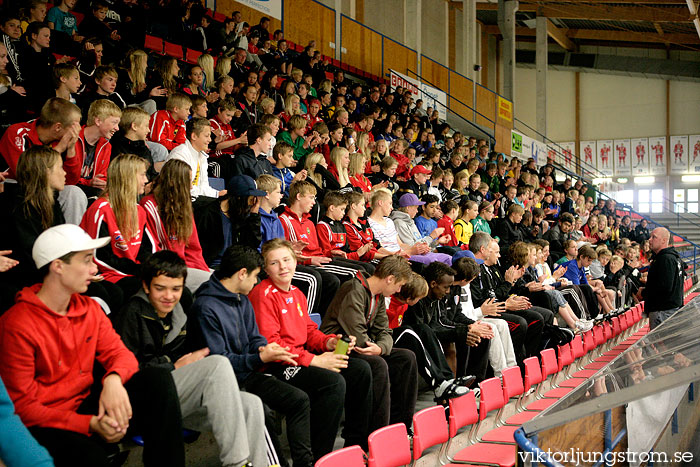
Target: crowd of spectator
(350,200)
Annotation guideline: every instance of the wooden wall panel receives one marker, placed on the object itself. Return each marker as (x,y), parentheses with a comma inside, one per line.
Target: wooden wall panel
(364,47)
(399,58)
(435,74)
(461,96)
(503,142)
(486,106)
(250,15)
(306,20)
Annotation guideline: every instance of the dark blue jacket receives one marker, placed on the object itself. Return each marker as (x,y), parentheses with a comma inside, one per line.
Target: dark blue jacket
(227,321)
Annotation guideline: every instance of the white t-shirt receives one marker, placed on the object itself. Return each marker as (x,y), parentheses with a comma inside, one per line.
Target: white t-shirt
(386,234)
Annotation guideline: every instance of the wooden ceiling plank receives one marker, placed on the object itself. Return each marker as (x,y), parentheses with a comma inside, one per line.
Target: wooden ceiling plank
(602,12)
(559,36)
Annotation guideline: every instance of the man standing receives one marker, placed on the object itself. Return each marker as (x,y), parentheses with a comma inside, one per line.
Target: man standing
(663,293)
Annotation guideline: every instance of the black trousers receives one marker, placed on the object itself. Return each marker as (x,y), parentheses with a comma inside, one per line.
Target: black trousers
(473,360)
(295,405)
(526,330)
(327,392)
(394,387)
(319,287)
(156,417)
(591,299)
(430,358)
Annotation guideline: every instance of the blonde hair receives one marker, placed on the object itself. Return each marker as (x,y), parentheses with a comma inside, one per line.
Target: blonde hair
(461,175)
(138,63)
(268,183)
(336,154)
(289,103)
(223,66)
(363,143)
(311,161)
(206,63)
(266,102)
(132,115)
(381,194)
(357,164)
(296,73)
(102,109)
(122,192)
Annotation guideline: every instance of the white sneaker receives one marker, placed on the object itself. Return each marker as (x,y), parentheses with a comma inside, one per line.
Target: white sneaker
(450,389)
(583,325)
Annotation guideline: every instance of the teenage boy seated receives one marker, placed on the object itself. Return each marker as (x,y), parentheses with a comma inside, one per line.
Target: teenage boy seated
(282,315)
(425,222)
(194,152)
(387,174)
(387,232)
(167,127)
(409,233)
(439,311)
(227,323)
(508,229)
(570,252)
(225,140)
(360,238)
(251,160)
(501,353)
(153,325)
(417,183)
(67,81)
(50,340)
(508,201)
(283,155)
(359,310)
(576,273)
(131,139)
(420,338)
(318,285)
(88,169)
(105,84)
(58,126)
(298,227)
(332,236)
(557,235)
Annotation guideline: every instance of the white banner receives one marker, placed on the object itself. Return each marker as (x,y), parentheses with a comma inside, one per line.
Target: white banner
(587,153)
(679,150)
(657,155)
(568,156)
(269,7)
(623,157)
(432,97)
(604,157)
(694,153)
(539,153)
(640,156)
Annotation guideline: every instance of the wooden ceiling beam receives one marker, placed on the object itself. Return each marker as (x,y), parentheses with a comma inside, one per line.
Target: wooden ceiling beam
(559,36)
(602,12)
(610,36)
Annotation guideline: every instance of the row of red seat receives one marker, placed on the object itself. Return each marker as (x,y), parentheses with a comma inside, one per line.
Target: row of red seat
(574,363)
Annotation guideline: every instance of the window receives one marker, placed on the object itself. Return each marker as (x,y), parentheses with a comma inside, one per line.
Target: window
(679,200)
(643,201)
(657,201)
(625,197)
(685,200)
(692,198)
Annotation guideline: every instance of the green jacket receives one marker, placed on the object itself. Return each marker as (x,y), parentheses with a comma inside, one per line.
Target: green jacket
(298,145)
(481,225)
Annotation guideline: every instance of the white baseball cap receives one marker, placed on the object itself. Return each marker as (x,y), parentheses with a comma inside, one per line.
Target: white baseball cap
(62,239)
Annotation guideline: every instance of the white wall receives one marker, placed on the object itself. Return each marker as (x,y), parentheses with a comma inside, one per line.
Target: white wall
(611,106)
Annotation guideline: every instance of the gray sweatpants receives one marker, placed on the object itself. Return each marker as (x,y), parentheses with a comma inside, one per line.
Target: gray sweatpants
(210,398)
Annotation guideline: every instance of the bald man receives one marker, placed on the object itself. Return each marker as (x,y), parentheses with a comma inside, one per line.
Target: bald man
(663,293)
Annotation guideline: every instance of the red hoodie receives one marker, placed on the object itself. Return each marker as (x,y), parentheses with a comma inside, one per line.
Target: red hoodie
(283,317)
(47,359)
(298,229)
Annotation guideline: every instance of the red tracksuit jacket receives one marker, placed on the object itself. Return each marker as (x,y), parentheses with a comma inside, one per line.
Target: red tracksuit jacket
(358,235)
(332,236)
(166,130)
(76,174)
(283,317)
(301,230)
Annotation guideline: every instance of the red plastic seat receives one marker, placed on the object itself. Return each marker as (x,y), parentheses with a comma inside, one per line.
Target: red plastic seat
(389,446)
(173,50)
(492,398)
(154,43)
(352,456)
(191,56)
(220,17)
(463,412)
